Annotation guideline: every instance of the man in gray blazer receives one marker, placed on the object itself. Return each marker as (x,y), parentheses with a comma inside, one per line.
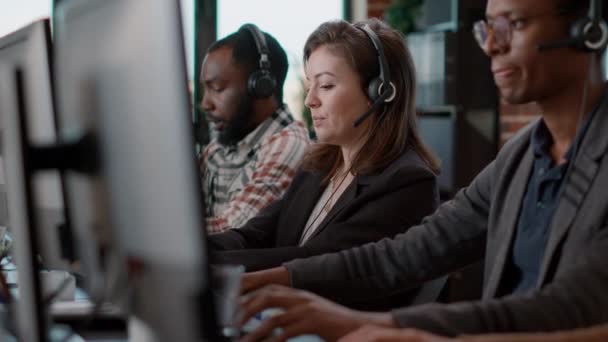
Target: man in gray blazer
(538,213)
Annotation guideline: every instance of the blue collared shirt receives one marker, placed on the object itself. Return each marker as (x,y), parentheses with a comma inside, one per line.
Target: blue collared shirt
(538,208)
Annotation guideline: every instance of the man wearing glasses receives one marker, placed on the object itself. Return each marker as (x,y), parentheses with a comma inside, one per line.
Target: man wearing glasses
(537,215)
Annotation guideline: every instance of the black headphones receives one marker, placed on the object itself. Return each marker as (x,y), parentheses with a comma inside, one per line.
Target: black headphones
(588,34)
(261,82)
(377,91)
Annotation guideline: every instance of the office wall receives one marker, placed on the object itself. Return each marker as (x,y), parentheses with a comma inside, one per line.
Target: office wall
(375,8)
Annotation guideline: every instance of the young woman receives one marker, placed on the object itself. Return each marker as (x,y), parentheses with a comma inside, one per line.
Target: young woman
(369,176)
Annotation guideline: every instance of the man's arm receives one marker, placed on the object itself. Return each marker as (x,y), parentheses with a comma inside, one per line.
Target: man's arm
(453,237)
(378,333)
(259,232)
(575,298)
(400,203)
(594,334)
(278,160)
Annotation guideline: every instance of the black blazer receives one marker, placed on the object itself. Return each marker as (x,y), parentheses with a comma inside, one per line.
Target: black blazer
(372,207)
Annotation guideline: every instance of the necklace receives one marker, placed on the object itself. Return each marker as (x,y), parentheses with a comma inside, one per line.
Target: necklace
(329,203)
(326,206)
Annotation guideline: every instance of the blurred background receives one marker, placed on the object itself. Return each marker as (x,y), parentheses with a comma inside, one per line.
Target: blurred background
(459,109)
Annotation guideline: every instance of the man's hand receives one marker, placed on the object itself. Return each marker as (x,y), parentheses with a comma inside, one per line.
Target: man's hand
(255,280)
(304,313)
(374,333)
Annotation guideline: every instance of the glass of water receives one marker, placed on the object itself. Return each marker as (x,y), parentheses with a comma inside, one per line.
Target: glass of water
(226,285)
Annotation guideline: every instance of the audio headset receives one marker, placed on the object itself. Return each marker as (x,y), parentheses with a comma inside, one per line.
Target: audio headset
(588,34)
(261,83)
(377,92)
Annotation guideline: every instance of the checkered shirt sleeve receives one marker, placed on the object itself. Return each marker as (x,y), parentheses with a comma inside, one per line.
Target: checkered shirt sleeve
(280,156)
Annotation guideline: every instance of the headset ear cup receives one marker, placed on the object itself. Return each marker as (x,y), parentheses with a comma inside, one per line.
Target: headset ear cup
(577,32)
(373,89)
(589,36)
(603,41)
(261,84)
(596,36)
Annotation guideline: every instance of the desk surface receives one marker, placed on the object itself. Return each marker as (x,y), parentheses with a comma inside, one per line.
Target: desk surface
(60,332)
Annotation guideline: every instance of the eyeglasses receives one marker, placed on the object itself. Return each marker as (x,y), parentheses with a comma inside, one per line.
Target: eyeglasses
(501,28)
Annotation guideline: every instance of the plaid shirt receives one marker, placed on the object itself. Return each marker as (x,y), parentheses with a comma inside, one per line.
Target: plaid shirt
(239,181)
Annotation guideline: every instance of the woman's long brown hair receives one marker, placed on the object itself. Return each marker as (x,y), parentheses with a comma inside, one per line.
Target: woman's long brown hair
(394,127)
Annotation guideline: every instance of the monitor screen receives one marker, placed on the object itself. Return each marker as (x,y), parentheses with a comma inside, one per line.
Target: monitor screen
(121,80)
(438,12)
(30,318)
(437,129)
(30,49)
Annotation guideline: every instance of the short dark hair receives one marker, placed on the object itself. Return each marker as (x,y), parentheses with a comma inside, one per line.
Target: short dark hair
(391,133)
(246,55)
(581,7)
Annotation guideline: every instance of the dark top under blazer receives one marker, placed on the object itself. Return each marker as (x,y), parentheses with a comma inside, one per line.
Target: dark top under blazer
(372,207)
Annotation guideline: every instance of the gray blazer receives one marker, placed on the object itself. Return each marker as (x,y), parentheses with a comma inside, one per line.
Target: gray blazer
(572,290)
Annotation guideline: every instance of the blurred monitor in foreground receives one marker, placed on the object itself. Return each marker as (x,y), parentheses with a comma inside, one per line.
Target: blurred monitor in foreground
(30,50)
(135,193)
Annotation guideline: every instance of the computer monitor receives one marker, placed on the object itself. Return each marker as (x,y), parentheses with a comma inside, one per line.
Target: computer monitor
(34,200)
(31,321)
(29,48)
(437,128)
(122,96)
